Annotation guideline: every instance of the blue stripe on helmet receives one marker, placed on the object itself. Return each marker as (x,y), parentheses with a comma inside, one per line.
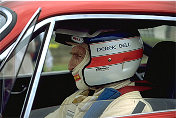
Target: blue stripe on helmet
(107,37)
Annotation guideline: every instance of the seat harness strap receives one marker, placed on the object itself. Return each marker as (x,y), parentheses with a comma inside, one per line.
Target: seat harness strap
(107,96)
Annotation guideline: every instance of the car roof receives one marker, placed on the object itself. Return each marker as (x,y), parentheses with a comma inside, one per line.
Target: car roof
(25,9)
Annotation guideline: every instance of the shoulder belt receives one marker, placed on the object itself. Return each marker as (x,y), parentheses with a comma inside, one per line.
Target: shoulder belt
(105,98)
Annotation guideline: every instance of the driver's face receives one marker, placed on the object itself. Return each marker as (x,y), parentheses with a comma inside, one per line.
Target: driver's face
(78,53)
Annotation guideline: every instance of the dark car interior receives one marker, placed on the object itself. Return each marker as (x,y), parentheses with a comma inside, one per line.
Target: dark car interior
(47,95)
(160,71)
(161,65)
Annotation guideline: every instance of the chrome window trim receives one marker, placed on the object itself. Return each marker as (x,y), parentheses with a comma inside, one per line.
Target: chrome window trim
(8,17)
(115,16)
(5,53)
(105,16)
(38,71)
(97,16)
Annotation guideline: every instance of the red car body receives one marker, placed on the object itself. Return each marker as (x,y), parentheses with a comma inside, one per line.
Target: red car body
(25,9)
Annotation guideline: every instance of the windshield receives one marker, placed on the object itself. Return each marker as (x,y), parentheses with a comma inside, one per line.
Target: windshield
(13,64)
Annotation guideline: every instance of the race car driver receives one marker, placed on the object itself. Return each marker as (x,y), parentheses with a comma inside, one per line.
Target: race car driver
(103,64)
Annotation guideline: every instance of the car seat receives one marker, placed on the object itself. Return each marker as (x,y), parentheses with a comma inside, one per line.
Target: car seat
(160,70)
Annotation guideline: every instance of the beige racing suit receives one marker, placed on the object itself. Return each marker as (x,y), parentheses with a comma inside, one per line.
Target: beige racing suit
(76,105)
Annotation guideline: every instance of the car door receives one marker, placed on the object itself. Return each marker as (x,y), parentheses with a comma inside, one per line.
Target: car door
(11,64)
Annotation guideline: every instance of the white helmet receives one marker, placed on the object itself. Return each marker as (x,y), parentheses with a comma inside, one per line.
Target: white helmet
(113,56)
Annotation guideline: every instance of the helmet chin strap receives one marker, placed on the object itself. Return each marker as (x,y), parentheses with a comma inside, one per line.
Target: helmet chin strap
(77,72)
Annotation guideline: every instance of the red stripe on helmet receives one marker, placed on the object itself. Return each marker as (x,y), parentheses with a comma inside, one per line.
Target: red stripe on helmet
(115,58)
